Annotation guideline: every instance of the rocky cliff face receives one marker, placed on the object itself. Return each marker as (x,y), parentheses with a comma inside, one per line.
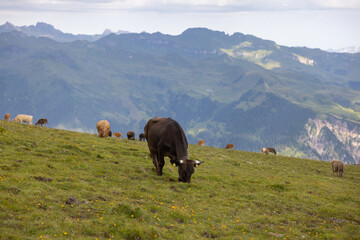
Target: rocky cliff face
(332,139)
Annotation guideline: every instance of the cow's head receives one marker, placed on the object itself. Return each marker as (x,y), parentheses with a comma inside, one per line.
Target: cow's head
(110,133)
(185,168)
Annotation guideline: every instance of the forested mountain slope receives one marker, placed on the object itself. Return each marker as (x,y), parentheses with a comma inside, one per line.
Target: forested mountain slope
(222,88)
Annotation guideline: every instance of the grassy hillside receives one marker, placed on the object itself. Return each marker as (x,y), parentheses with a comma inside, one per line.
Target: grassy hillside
(233,195)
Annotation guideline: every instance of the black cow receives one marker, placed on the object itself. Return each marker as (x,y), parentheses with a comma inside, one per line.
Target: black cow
(42,121)
(141,137)
(165,137)
(130,135)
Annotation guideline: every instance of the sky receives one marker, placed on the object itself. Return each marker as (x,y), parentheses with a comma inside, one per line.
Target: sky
(324,24)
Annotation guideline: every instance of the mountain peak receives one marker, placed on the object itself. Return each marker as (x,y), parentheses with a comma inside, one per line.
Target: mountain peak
(107,32)
(7,27)
(200,31)
(8,24)
(44,26)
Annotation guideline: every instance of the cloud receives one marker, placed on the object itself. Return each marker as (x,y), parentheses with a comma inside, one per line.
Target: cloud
(176,5)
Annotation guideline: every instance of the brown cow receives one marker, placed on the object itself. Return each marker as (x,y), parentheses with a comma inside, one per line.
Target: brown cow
(103,128)
(7,117)
(41,122)
(117,135)
(338,167)
(130,135)
(141,137)
(165,137)
(229,146)
(201,142)
(268,150)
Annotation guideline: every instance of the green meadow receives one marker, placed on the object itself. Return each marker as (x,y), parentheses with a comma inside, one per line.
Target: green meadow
(57,184)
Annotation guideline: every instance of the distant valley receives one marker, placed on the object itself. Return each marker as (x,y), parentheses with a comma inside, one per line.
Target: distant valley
(223,88)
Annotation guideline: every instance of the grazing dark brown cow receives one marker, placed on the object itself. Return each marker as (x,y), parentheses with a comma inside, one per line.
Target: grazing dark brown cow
(272,150)
(141,137)
(165,137)
(42,121)
(229,146)
(268,150)
(130,135)
(201,142)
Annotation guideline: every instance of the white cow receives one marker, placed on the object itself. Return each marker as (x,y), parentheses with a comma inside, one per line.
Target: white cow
(23,118)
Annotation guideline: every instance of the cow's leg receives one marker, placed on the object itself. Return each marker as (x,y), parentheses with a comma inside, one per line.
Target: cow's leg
(161,154)
(161,162)
(155,161)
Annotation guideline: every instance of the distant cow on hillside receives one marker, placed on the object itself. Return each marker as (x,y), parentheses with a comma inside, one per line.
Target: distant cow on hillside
(268,150)
(141,137)
(201,142)
(103,128)
(338,167)
(117,134)
(42,121)
(130,135)
(229,146)
(7,117)
(165,137)
(24,118)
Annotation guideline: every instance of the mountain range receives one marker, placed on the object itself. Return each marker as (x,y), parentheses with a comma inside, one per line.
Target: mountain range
(223,88)
(42,29)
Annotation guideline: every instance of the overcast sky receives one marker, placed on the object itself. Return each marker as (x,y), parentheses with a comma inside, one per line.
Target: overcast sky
(321,24)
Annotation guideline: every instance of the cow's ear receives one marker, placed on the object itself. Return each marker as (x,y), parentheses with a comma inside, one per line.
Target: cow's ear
(197,163)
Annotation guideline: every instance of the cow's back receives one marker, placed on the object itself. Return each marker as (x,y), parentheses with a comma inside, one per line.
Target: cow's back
(153,123)
(157,129)
(167,131)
